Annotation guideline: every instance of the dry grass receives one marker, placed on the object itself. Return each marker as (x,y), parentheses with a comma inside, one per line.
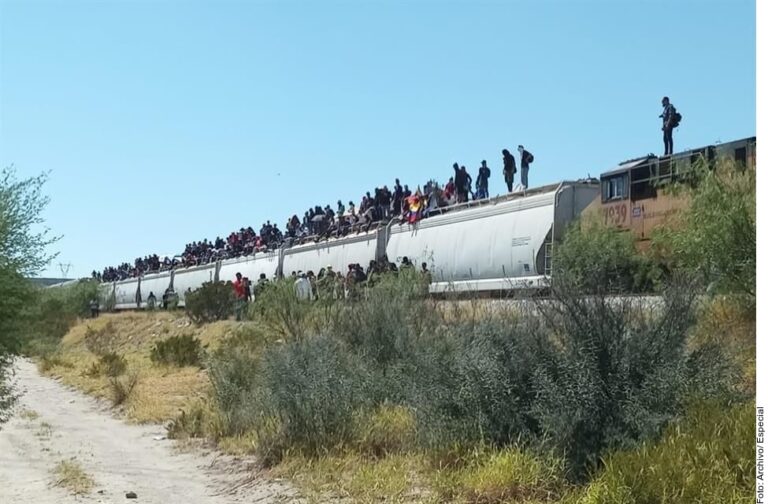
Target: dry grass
(508,475)
(69,474)
(29,414)
(733,326)
(45,430)
(396,478)
(161,391)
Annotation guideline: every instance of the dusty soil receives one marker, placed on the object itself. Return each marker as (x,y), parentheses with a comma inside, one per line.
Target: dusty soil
(54,423)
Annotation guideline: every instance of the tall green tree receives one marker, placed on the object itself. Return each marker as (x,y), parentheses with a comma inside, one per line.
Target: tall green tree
(24,250)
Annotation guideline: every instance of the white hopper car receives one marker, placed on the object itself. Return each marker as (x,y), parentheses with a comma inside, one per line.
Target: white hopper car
(501,244)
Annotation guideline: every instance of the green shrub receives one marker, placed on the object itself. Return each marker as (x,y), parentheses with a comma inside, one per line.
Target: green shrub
(715,237)
(478,387)
(122,387)
(304,394)
(278,307)
(197,421)
(389,321)
(576,375)
(313,388)
(386,430)
(618,371)
(100,341)
(183,350)
(110,364)
(508,475)
(211,302)
(48,362)
(235,374)
(708,456)
(602,259)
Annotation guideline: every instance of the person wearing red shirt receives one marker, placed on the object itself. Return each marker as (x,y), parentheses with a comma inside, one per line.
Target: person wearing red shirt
(239,287)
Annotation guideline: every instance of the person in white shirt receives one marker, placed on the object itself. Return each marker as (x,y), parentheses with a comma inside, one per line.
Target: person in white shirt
(303,287)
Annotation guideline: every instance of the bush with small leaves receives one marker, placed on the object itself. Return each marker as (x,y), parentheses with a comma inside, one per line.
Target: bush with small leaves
(183,350)
(211,302)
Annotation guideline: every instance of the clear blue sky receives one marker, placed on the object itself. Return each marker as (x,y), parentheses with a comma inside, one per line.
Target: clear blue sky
(165,122)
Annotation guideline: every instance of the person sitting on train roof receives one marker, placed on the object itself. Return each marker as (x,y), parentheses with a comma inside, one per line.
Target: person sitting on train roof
(449,191)
(526,158)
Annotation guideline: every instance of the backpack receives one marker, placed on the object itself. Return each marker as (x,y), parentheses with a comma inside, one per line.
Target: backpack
(530,158)
(676,118)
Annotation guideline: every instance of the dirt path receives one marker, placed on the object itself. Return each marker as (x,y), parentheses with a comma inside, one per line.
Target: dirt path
(119,457)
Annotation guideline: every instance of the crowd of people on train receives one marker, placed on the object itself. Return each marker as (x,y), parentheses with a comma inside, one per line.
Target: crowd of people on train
(318,223)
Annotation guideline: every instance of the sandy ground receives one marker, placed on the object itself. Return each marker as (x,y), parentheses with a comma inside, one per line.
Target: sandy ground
(120,457)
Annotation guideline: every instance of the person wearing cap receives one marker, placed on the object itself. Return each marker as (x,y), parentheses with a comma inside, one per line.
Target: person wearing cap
(526,158)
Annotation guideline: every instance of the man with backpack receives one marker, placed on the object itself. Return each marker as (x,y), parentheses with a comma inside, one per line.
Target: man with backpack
(670,119)
(526,158)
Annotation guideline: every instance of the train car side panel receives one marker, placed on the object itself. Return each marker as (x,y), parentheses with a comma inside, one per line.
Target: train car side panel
(192,279)
(157,284)
(337,253)
(497,241)
(250,266)
(125,294)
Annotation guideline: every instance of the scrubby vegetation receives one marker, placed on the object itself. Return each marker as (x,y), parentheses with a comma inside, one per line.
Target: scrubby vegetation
(109,364)
(716,238)
(582,398)
(183,350)
(69,474)
(211,302)
(598,259)
(579,377)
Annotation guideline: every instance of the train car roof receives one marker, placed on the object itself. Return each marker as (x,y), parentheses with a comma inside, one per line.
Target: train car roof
(639,161)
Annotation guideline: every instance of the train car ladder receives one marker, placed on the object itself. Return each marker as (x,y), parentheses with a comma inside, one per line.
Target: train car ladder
(548,258)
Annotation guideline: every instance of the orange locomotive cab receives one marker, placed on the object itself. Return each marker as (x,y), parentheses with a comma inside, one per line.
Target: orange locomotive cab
(635,196)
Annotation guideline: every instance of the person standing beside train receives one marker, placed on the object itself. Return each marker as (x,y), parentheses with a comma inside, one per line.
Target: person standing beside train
(240,299)
(509,169)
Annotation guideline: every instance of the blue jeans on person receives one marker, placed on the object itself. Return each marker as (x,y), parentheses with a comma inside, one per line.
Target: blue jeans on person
(524,176)
(667,141)
(482,192)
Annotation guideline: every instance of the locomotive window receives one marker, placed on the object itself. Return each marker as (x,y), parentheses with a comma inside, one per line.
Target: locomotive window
(643,189)
(615,187)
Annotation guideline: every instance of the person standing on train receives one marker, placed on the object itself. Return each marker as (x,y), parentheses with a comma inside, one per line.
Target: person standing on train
(397,198)
(467,189)
(509,169)
(667,124)
(526,158)
(481,183)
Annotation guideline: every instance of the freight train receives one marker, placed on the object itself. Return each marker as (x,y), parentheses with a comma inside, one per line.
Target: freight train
(502,244)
